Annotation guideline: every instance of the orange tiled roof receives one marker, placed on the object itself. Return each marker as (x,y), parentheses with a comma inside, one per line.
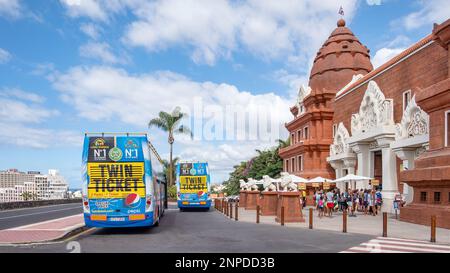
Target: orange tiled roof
(387,64)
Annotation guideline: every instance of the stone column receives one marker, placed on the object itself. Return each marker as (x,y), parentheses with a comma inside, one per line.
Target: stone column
(350,164)
(337,166)
(389,174)
(407,155)
(363,157)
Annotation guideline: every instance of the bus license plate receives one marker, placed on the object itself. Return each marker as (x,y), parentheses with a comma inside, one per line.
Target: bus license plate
(117,219)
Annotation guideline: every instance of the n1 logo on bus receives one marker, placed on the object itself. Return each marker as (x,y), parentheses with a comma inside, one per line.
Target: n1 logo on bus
(192,169)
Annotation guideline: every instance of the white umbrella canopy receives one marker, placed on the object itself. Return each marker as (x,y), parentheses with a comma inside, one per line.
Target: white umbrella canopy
(352,177)
(319,179)
(298,179)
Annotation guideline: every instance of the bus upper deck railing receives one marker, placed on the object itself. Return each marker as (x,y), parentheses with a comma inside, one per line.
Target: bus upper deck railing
(117,133)
(152,148)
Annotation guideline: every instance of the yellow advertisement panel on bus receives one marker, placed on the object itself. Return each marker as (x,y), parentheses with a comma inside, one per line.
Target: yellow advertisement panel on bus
(193,184)
(115,180)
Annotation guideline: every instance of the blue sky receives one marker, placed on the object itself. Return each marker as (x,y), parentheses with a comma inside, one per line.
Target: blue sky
(71,66)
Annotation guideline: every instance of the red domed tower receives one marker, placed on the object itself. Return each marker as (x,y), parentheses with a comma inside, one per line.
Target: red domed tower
(340,58)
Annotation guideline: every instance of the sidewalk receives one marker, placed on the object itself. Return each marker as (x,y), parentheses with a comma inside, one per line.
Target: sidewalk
(362,224)
(43,231)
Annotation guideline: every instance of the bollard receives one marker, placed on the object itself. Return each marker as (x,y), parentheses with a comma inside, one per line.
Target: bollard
(226,207)
(282,216)
(433,229)
(236,212)
(231,210)
(344,222)
(310,218)
(257,214)
(384,224)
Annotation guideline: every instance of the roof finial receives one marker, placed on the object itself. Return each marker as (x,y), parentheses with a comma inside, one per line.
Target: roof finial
(341,22)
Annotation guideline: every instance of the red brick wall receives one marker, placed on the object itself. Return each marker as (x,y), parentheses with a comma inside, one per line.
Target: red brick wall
(420,70)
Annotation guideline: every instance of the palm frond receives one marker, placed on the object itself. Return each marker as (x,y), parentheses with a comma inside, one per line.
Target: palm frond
(159,123)
(184,130)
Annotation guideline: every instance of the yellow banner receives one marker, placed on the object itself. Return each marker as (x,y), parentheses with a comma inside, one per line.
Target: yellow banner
(375,182)
(302,186)
(326,186)
(115,180)
(193,184)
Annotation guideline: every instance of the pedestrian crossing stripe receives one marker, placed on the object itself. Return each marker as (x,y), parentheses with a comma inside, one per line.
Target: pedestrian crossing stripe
(397,245)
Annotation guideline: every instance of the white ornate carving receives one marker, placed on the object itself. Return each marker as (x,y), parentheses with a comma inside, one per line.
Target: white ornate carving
(268,183)
(414,122)
(303,92)
(251,185)
(286,182)
(375,111)
(243,185)
(374,145)
(340,144)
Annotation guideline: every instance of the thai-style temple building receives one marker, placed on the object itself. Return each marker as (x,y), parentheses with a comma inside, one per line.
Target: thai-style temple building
(391,123)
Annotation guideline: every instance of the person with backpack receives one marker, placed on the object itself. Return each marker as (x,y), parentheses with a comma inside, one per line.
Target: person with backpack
(379,200)
(320,206)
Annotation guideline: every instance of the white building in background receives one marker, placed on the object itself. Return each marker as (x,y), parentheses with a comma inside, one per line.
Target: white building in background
(57,185)
(19,186)
(12,177)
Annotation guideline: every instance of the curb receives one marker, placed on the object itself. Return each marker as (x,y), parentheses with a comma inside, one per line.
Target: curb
(64,237)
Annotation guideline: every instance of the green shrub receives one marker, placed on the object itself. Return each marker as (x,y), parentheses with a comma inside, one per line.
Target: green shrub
(172,192)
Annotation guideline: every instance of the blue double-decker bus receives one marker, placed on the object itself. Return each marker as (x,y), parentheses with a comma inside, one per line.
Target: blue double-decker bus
(193,185)
(123,182)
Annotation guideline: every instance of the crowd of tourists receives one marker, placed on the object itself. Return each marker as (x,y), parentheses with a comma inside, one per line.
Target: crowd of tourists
(367,201)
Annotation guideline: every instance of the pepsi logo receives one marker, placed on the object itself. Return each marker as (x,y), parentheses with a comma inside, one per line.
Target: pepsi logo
(132,200)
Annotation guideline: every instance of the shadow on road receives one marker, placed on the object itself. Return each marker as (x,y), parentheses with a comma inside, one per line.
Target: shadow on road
(125,231)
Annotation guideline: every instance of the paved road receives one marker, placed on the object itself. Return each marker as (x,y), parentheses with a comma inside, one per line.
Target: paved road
(199,231)
(26,216)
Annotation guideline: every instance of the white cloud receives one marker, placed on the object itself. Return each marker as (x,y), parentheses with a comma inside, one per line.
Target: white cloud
(373,2)
(90,8)
(211,30)
(267,29)
(21,118)
(430,11)
(41,138)
(91,30)
(104,93)
(385,54)
(101,92)
(20,94)
(101,51)
(20,112)
(5,56)
(10,8)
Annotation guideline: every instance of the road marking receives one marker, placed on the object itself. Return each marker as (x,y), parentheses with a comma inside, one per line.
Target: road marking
(44,222)
(36,213)
(397,245)
(39,207)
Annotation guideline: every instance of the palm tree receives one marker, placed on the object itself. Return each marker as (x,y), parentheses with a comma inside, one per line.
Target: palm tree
(284,143)
(166,167)
(27,195)
(170,122)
